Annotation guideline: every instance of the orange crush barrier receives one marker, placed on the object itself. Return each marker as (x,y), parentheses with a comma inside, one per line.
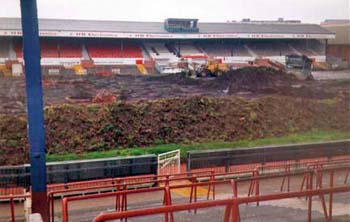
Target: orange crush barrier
(231,205)
(212,176)
(121,205)
(11,199)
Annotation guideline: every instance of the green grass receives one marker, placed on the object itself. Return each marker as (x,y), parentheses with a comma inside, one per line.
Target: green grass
(312,136)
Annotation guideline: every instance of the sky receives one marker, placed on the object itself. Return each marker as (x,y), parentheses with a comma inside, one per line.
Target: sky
(309,11)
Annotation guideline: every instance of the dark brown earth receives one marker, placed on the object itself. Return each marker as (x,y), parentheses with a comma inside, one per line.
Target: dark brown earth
(170,109)
(248,83)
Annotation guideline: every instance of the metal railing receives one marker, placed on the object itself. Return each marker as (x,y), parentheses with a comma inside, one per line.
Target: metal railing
(262,155)
(231,205)
(80,170)
(253,190)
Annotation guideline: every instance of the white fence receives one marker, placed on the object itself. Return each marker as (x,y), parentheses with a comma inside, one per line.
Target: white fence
(169,163)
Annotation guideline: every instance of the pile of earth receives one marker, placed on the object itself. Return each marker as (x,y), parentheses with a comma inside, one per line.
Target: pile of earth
(81,128)
(249,82)
(252,82)
(254,79)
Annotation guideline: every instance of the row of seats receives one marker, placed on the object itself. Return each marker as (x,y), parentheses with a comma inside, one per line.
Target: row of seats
(56,49)
(270,49)
(224,49)
(51,49)
(158,50)
(114,50)
(4,48)
(70,50)
(311,48)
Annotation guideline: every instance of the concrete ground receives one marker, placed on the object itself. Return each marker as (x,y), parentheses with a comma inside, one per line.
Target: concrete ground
(288,210)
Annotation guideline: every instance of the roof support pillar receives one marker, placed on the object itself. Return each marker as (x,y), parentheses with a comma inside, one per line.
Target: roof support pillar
(36,130)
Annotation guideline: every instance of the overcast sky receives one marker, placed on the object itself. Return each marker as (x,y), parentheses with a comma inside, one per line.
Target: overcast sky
(312,11)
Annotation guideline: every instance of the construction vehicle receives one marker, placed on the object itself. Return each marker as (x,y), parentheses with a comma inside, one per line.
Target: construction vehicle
(299,65)
(213,68)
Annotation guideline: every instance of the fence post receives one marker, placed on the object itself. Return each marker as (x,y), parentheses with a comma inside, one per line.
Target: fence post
(12,207)
(331,183)
(309,212)
(28,207)
(52,201)
(227,165)
(227,213)
(188,162)
(64,210)
(235,212)
(257,187)
(117,198)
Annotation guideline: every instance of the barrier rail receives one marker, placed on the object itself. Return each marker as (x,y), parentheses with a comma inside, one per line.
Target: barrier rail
(227,157)
(125,183)
(214,179)
(122,192)
(11,199)
(231,205)
(234,183)
(69,171)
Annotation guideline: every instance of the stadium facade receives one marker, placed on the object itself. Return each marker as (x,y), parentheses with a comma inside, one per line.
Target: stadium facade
(161,45)
(338,49)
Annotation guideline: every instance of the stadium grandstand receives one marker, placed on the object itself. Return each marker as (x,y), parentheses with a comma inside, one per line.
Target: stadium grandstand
(71,44)
(338,49)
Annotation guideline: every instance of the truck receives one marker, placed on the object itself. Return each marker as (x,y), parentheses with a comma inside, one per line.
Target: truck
(299,65)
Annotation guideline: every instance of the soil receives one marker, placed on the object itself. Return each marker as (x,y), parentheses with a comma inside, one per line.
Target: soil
(248,82)
(133,111)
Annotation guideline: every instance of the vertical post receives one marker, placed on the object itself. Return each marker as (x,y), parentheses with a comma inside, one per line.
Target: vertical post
(36,131)
(235,216)
(188,162)
(309,211)
(227,213)
(326,49)
(65,209)
(12,206)
(331,183)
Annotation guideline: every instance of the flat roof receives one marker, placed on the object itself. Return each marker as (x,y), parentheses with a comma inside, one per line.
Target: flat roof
(125,29)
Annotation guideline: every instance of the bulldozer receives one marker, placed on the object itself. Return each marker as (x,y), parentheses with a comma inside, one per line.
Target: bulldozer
(299,65)
(213,68)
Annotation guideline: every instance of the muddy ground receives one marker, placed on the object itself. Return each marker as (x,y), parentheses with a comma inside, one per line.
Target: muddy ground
(247,83)
(250,103)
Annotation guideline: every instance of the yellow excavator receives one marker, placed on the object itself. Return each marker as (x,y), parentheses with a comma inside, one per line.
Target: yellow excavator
(216,68)
(213,68)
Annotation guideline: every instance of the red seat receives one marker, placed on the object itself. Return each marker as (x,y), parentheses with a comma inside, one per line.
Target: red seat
(70,50)
(18,49)
(102,51)
(114,50)
(49,49)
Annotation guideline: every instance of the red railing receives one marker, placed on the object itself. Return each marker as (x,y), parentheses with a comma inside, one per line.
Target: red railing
(120,184)
(254,185)
(122,192)
(231,205)
(11,200)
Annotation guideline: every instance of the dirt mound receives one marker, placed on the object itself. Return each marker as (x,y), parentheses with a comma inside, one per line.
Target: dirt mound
(78,128)
(254,79)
